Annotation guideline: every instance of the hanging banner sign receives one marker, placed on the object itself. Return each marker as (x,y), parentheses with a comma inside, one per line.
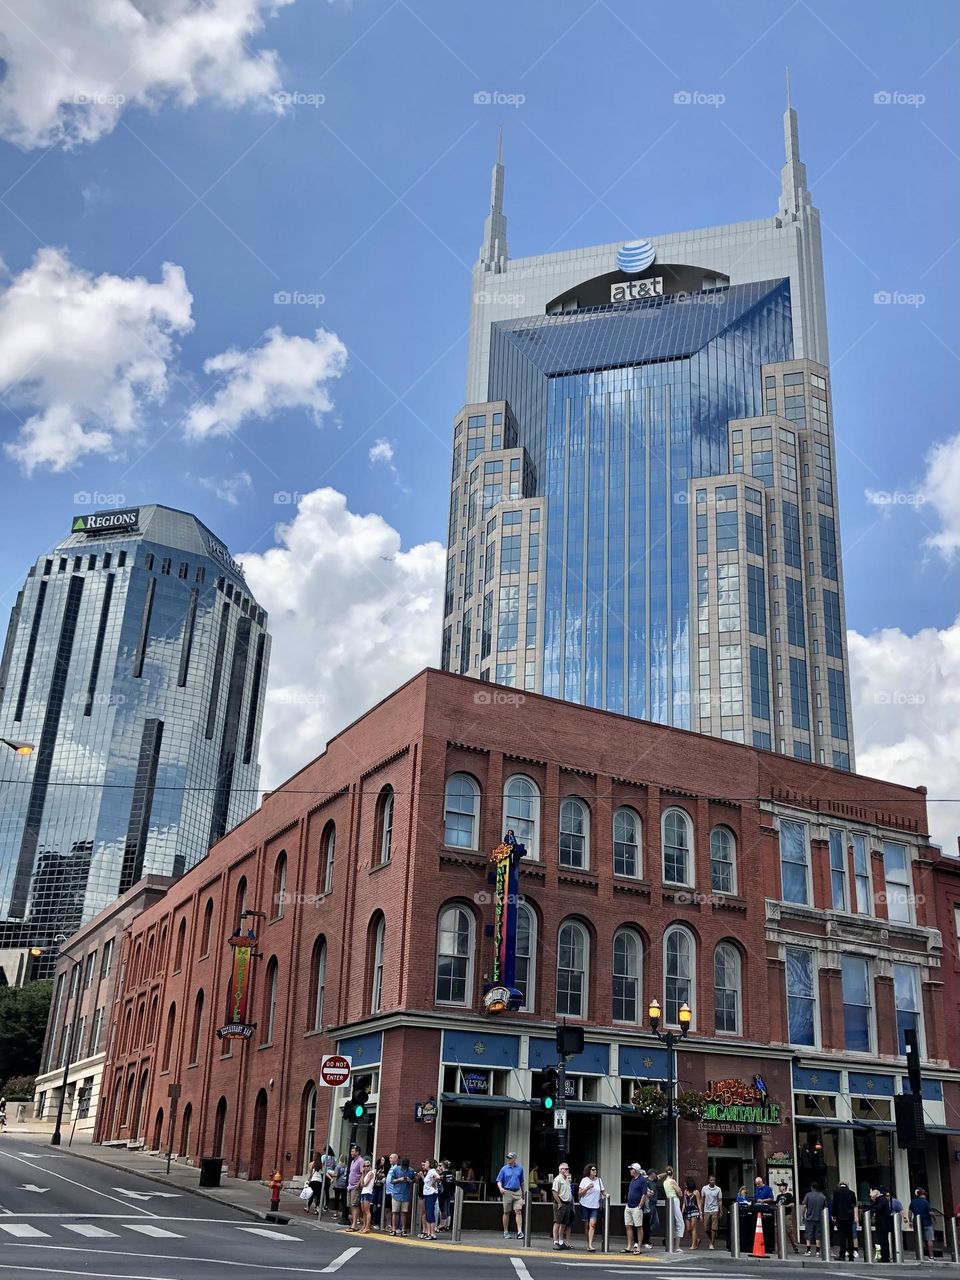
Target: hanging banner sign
(502,993)
(238,995)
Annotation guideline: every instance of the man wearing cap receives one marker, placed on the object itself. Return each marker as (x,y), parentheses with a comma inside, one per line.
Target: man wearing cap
(510,1186)
(633,1209)
(562,1207)
(843,1210)
(786,1198)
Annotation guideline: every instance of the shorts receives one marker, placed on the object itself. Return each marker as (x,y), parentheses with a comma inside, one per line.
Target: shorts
(512,1200)
(353,1197)
(928,1233)
(811,1231)
(711,1221)
(589,1215)
(691,1215)
(562,1214)
(399,1204)
(430,1208)
(632,1217)
(365,1199)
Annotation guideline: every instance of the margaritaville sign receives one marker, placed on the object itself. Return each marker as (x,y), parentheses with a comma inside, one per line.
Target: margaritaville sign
(736,1102)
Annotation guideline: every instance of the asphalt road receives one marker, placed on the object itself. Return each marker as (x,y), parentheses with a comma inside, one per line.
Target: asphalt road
(61,1216)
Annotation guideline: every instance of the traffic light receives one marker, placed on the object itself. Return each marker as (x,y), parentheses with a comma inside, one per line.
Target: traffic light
(356,1109)
(549,1088)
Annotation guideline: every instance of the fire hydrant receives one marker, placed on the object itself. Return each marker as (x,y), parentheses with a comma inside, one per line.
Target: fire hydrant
(276,1182)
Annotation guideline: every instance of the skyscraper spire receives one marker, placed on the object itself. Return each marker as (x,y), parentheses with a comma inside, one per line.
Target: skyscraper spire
(493,251)
(793,176)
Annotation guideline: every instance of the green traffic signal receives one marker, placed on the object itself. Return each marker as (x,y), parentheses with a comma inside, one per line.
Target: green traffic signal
(358,1111)
(548,1104)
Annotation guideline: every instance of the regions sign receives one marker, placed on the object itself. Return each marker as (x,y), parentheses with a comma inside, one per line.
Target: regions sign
(107,522)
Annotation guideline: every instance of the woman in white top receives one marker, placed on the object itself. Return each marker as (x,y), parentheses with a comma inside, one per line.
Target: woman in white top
(366,1196)
(591,1195)
(431,1188)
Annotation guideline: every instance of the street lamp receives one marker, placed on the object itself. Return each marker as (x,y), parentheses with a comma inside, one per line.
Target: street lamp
(671,1039)
(67,1047)
(21,748)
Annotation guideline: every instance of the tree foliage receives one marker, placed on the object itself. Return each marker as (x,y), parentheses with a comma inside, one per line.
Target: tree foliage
(23,1022)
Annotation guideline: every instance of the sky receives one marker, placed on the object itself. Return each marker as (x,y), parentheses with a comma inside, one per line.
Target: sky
(237,237)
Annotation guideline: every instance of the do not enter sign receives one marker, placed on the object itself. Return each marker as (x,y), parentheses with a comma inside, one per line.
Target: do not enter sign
(334,1069)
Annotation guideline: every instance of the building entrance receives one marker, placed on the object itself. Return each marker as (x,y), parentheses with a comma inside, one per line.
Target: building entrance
(471,1137)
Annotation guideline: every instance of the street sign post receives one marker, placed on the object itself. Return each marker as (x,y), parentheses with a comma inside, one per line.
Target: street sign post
(335,1069)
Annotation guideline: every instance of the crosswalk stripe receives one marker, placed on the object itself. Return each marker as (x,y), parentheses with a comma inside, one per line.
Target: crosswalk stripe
(89,1230)
(271,1235)
(23,1230)
(147,1229)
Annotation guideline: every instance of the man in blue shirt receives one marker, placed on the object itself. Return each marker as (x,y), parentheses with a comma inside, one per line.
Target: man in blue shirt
(762,1190)
(633,1209)
(921,1216)
(510,1186)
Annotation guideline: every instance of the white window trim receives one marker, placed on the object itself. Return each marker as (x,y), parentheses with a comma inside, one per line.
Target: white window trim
(628,808)
(329,857)
(586,834)
(738,1031)
(639,942)
(376,983)
(692,1002)
(907,884)
(475,822)
(921,1020)
(585,1002)
(691,879)
(530,1005)
(732,863)
(467,1001)
(871,1008)
(808,871)
(533,853)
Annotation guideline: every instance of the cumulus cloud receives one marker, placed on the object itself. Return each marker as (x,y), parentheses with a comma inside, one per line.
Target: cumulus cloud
(229,489)
(71,69)
(941,488)
(281,372)
(380,451)
(352,616)
(906,713)
(81,355)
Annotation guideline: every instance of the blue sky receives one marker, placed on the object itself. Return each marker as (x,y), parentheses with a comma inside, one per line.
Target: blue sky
(369,189)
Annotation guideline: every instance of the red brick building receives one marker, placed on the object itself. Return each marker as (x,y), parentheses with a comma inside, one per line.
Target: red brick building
(790,905)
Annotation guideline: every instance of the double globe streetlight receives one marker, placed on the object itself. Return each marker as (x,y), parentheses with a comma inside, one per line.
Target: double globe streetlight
(671,1039)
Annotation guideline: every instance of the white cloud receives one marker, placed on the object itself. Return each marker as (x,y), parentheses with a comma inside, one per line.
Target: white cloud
(72,68)
(81,355)
(281,373)
(906,714)
(941,488)
(381,451)
(352,616)
(229,489)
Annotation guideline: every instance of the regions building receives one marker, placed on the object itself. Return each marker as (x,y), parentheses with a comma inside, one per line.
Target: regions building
(791,906)
(135,664)
(643,506)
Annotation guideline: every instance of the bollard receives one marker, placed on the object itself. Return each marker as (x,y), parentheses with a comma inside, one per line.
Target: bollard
(954,1242)
(606,1224)
(383,1206)
(527,1225)
(898,1239)
(782,1232)
(918,1239)
(456,1226)
(866,1224)
(414,1210)
(669,1231)
(825,1252)
(735,1231)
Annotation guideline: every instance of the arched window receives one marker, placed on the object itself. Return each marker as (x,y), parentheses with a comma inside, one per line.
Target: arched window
(219,1127)
(134,971)
(526,975)
(318,982)
(455,944)
(239,904)
(677,843)
(207,928)
(378,937)
(383,827)
(328,852)
(573,954)
(308,1126)
(194,1055)
(152,1020)
(148,968)
(181,940)
(279,886)
(269,1016)
(627,953)
(574,834)
(186,1124)
(461,811)
(138,1034)
(125,1038)
(678,971)
(723,860)
(168,1038)
(726,988)
(626,843)
(162,950)
(521,812)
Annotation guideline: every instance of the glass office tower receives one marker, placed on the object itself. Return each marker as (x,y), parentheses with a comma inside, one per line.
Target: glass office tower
(135,664)
(643,505)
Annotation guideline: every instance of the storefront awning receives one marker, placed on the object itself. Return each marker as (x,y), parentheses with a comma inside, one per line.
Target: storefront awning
(941,1130)
(600,1108)
(823,1122)
(491,1102)
(874,1124)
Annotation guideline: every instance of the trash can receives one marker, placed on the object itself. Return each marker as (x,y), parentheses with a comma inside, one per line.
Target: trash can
(210,1170)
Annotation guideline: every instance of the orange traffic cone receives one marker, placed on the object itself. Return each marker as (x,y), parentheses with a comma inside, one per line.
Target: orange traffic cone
(758,1247)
